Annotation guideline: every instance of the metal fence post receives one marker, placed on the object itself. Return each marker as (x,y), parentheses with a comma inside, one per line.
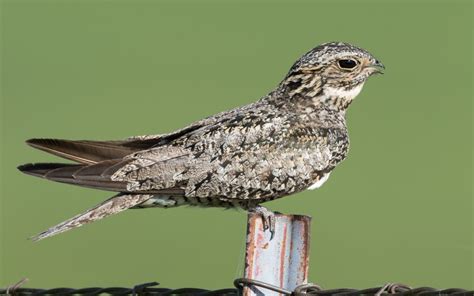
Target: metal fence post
(282,261)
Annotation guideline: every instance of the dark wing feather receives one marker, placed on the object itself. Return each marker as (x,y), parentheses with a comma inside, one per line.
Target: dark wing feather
(41,169)
(87,152)
(71,174)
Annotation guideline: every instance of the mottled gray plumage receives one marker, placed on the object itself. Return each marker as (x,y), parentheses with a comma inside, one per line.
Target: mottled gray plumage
(284,143)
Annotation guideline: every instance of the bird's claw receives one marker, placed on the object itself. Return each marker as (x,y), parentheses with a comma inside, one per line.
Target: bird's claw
(268,219)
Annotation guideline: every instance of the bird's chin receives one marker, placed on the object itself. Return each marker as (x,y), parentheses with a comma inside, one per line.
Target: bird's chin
(372,70)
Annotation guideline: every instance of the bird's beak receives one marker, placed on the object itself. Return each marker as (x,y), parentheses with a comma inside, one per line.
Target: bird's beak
(376,67)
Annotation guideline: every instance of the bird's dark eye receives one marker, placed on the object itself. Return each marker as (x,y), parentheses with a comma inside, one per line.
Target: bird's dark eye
(347,63)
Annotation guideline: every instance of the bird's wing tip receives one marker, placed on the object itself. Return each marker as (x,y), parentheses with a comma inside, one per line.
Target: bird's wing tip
(34,141)
(24,167)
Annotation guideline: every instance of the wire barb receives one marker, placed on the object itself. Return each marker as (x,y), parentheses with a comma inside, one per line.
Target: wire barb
(243,282)
(14,287)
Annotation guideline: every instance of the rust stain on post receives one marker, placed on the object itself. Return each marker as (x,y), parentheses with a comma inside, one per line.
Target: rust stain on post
(282,261)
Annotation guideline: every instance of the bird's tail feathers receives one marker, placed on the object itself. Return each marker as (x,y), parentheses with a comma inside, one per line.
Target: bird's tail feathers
(109,207)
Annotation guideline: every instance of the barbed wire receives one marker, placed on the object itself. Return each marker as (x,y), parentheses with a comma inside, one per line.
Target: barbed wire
(149,289)
(387,289)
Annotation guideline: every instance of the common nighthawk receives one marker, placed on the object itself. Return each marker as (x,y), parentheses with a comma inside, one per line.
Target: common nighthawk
(288,141)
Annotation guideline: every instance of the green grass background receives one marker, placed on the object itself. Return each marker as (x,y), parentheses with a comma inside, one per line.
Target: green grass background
(399,209)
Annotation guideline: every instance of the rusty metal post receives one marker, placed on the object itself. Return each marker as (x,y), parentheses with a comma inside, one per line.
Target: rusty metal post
(282,261)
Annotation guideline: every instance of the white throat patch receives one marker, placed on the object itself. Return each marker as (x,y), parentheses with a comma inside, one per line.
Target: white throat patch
(342,93)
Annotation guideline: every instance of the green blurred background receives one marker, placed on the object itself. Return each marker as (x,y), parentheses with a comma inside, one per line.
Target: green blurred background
(399,209)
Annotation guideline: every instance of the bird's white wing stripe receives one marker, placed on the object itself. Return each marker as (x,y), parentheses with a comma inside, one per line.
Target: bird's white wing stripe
(320,182)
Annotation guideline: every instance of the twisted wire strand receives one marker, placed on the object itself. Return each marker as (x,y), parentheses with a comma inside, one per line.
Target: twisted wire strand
(150,289)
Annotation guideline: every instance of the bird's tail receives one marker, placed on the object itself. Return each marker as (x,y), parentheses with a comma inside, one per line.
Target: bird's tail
(109,207)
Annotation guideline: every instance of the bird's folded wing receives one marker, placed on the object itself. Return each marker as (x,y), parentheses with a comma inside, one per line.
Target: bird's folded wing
(90,152)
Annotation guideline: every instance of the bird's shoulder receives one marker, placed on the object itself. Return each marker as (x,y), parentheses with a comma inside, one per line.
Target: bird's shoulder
(267,126)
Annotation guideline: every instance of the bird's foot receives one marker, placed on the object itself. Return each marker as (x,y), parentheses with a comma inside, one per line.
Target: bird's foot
(268,218)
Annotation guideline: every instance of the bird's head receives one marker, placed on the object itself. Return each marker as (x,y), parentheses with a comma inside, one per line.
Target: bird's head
(334,72)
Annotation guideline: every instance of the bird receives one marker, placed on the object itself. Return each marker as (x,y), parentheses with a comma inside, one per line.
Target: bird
(286,142)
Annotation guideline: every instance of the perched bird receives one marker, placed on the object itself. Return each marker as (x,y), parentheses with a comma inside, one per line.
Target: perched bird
(288,141)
